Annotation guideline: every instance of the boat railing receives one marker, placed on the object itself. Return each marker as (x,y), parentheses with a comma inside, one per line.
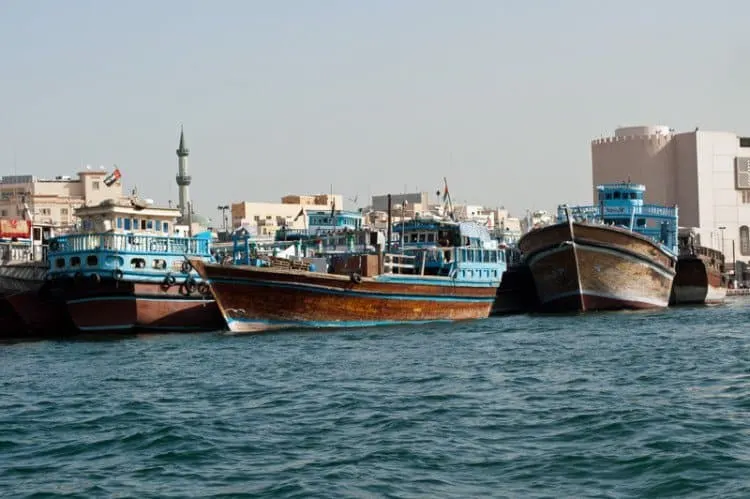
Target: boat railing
(129,243)
(16,252)
(397,261)
(437,255)
(592,212)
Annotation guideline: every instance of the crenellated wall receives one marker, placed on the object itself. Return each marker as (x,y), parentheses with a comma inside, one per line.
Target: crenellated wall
(645,154)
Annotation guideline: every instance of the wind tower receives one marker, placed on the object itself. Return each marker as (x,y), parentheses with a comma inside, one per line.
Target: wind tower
(183,179)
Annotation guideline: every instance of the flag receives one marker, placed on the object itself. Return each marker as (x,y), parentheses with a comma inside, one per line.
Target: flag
(301,213)
(112,177)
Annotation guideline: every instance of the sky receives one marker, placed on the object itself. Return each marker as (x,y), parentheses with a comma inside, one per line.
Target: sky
(502,97)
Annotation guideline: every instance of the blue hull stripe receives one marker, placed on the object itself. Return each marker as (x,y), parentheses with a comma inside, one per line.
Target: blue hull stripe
(134,276)
(331,324)
(140,298)
(124,327)
(318,289)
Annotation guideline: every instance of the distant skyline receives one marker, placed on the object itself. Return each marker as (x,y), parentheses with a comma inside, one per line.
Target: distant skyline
(503,98)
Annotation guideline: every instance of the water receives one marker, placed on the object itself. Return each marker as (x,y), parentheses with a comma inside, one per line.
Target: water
(646,404)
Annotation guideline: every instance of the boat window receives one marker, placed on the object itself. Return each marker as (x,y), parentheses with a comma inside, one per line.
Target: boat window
(422,237)
(641,222)
(126,224)
(119,222)
(143,225)
(158,225)
(632,195)
(92,260)
(60,263)
(150,225)
(414,238)
(75,261)
(159,264)
(166,226)
(138,263)
(616,195)
(609,195)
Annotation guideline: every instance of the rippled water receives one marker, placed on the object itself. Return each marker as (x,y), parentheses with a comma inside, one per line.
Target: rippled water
(647,404)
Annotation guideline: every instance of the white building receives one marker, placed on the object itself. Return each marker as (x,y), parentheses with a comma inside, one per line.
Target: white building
(705,173)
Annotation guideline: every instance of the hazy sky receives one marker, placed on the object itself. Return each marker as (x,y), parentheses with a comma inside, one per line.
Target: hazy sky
(289,96)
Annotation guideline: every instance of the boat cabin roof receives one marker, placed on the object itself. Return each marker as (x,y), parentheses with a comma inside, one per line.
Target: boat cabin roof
(136,216)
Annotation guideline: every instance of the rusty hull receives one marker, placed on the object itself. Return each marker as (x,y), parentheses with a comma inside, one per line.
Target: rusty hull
(260,298)
(603,268)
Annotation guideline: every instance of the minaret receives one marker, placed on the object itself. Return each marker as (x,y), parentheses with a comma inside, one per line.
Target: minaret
(183,179)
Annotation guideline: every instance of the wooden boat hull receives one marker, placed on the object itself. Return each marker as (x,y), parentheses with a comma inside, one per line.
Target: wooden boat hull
(601,268)
(516,293)
(42,313)
(254,299)
(112,306)
(21,277)
(697,281)
(11,325)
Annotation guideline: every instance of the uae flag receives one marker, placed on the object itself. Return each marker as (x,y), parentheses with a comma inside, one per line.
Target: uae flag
(112,177)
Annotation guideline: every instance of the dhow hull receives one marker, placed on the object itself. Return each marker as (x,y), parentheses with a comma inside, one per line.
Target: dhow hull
(583,267)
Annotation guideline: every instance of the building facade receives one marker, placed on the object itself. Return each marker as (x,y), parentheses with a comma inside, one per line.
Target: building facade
(52,202)
(705,173)
(267,218)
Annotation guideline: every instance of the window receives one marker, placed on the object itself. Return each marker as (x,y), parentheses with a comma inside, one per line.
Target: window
(127,223)
(95,186)
(4,213)
(60,263)
(166,226)
(159,264)
(75,261)
(138,263)
(745,197)
(150,225)
(744,141)
(119,222)
(92,260)
(158,225)
(64,212)
(744,240)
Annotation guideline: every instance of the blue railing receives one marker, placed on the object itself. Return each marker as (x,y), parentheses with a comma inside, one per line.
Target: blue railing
(140,257)
(594,212)
(126,243)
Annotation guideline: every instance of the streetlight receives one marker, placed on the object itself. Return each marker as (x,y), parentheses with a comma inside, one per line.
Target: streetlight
(223,209)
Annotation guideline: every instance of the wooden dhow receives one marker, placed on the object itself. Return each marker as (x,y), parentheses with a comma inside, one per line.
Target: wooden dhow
(127,271)
(700,275)
(619,254)
(437,271)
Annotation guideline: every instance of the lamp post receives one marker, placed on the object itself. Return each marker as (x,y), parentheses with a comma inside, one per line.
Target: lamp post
(223,209)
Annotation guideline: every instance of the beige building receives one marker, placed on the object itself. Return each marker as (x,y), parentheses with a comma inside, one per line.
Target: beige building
(267,218)
(53,201)
(705,173)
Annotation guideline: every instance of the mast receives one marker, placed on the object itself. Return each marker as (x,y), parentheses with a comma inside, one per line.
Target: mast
(388,229)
